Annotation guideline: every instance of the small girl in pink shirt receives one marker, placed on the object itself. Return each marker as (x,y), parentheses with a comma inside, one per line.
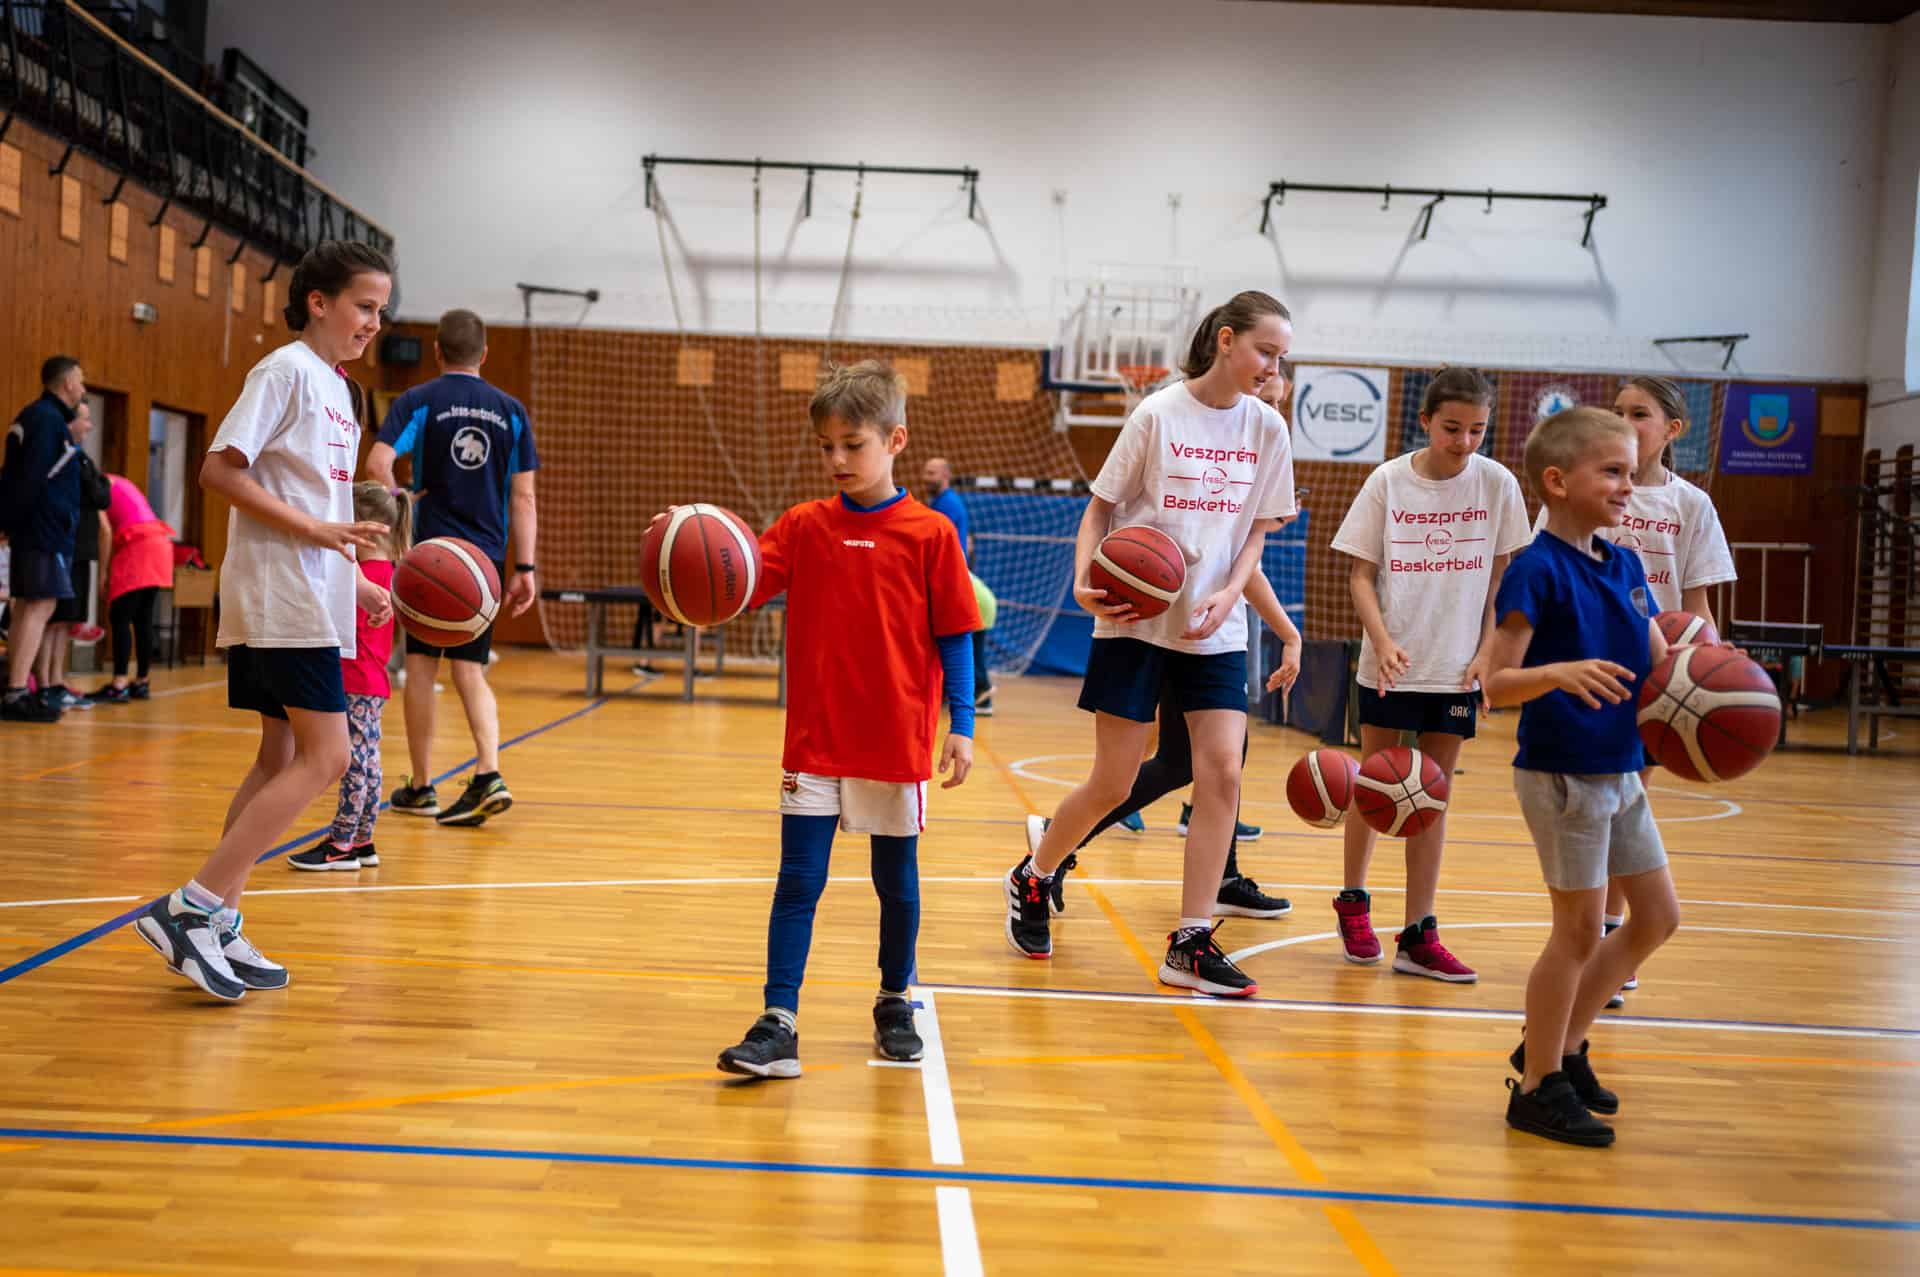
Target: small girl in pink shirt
(349,844)
(139,564)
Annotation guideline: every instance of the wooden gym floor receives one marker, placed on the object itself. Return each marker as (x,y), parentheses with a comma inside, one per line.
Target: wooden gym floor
(496,1054)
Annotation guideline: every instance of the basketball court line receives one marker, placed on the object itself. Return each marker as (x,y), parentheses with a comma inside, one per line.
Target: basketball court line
(1290,941)
(35,961)
(953,1205)
(1334,1197)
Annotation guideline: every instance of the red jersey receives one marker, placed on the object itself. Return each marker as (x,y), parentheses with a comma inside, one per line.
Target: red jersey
(868,592)
(365,672)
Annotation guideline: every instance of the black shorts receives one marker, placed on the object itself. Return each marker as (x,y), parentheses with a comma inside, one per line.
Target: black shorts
(40,574)
(1126,676)
(475,649)
(73,610)
(272,680)
(1451,712)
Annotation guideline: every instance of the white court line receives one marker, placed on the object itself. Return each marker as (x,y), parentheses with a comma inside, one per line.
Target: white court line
(1200,1000)
(959,1245)
(191,687)
(943,1127)
(1250,950)
(108,724)
(1728,808)
(751,881)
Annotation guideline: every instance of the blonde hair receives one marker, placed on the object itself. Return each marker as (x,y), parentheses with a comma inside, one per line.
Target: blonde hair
(1564,438)
(386,505)
(869,393)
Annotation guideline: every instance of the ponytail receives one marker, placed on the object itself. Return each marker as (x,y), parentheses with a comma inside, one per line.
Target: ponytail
(1666,396)
(1239,314)
(390,506)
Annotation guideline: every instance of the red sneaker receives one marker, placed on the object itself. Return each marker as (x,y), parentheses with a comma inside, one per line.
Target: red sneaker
(1421,953)
(1354,908)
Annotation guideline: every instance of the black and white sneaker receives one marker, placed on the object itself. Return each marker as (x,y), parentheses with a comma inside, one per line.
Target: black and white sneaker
(1057,885)
(1578,1071)
(1241,829)
(770,1049)
(253,968)
(415,800)
(983,704)
(479,800)
(893,1030)
(1553,1110)
(323,855)
(1194,961)
(184,936)
(1241,897)
(19,706)
(1028,906)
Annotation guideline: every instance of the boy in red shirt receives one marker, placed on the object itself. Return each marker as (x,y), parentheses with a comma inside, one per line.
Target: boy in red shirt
(880,613)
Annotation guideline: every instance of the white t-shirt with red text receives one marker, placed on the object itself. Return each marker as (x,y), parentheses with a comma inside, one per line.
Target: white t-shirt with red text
(1202,476)
(1675,530)
(294,423)
(1434,542)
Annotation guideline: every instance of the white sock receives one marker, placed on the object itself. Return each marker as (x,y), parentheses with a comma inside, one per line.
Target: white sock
(889,995)
(1195,924)
(199,897)
(1613,919)
(788,1019)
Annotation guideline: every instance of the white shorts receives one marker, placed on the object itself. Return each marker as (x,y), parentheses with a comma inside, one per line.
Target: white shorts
(892,809)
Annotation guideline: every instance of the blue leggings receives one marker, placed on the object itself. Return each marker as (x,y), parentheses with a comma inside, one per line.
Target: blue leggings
(806,843)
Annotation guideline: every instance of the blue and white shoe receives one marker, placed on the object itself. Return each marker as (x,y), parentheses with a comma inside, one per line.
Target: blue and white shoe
(185,937)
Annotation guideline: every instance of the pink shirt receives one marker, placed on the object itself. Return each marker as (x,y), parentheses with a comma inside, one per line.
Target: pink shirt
(365,672)
(129,505)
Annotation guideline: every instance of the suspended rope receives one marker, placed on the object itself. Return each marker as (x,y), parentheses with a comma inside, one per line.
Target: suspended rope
(760,425)
(846,265)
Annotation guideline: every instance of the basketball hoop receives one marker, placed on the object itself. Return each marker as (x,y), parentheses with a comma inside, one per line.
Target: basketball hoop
(1141,380)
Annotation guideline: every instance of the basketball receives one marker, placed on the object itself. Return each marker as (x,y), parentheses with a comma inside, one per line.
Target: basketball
(1320,787)
(1400,791)
(445,591)
(1141,566)
(1709,713)
(1683,629)
(700,565)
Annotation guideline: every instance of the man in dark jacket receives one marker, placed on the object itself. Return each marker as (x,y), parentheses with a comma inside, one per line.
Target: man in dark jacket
(40,510)
(95,495)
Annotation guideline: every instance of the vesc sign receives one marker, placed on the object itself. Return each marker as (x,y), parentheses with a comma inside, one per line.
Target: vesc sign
(1339,414)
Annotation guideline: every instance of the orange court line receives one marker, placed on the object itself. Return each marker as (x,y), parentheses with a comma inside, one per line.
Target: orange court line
(118,753)
(1006,774)
(1145,1057)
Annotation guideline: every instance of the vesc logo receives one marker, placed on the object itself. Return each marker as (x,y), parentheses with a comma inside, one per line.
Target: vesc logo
(471,447)
(1340,414)
(1557,397)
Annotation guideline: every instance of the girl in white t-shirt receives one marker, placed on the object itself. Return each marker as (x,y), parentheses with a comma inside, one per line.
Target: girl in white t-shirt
(1430,535)
(1207,463)
(283,459)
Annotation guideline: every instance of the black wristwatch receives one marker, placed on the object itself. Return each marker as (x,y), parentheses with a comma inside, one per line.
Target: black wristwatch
(523,567)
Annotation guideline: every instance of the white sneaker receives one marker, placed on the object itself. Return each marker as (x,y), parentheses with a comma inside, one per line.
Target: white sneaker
(184,936)
(253,968)
(1036,830)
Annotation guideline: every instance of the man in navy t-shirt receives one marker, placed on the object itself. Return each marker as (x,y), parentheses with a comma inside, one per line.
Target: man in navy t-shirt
(39,512)
(470,448)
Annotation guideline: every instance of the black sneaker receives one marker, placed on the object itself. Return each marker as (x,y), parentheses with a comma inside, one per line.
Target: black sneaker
(893,1029)
(770,1049)
(184,936)
(479,800)
(26,707)
(140,691)
(1027,908)
(1578,1071)
(1057,885)
(111,695)
(1194,961)
(1241,897)
(323,855)
(1186,816)
(415,800)
(1554,1111)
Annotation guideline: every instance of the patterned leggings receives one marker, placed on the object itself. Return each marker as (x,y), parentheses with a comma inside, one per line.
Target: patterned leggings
(360,787)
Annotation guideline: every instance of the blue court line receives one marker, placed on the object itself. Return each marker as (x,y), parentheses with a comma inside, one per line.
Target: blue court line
(1461,1013)
(87,937)
(956,1175)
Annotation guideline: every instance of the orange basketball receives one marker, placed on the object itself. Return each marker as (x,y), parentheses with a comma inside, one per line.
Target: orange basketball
(1320,787)
(700,565)
(1400,791)
(445,591)
(1141,566)
(1709,713)
(1684,629)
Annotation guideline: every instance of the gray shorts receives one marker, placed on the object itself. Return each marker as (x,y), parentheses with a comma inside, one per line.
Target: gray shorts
(1589,828)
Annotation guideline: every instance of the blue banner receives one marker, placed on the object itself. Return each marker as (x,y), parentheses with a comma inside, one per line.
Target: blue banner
(1768,429)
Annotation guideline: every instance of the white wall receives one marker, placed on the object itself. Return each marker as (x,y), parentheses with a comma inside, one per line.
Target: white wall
(504,144)
(1893,417)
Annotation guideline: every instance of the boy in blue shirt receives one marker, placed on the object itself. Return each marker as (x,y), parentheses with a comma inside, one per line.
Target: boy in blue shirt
(1575,639)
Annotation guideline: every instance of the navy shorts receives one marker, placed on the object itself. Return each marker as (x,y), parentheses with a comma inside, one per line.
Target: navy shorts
(40,574)
(475,649)
(73,610)
(1451,712)
(1125,677)
(272,680)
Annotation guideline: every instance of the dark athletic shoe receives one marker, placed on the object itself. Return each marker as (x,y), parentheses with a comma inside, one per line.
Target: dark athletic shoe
(1194,961)
(184,936)
(1555,1112)
(1057,888)
(770,1049)
(415,800)
(1027,910)
(893,1030)
(1241,897)
(479,800)
(1579,1071)
(111,695)
(27,707)
(140,691)
(323,855)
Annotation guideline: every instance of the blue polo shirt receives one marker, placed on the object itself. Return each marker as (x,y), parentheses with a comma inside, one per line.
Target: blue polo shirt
(950,504)
(466,440)
(40,478)
(1581,608)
